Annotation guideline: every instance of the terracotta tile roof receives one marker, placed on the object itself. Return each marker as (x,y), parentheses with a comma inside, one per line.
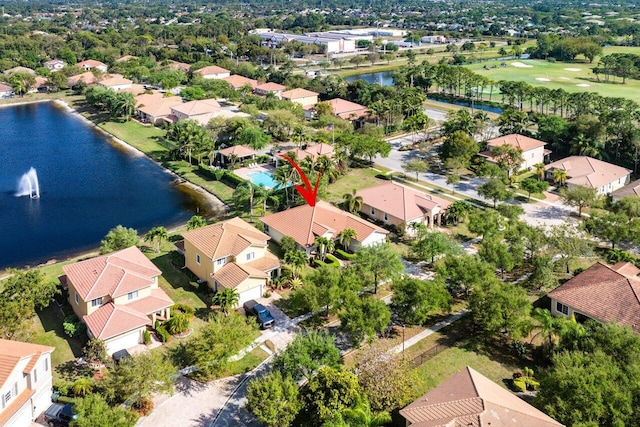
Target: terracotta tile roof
(5,87)
(195,108)
(225,238)
(113,274)
(19,70)
(236,81)
(15,405)
(313,151)
(160,108)
(157,301)
(11,352)
(304,223)
(631,189)
(238,150)
(469,398)
(211,70)
(267,263)
(346,109)
(270,87)
(87,77)
(180,66)
(150,98)
(604,293)
(402,202)
(516,140)
(298,93)
(54,62)
(126,58)
(112,320)
(91,63)
(233,274)
(589,172)
(115,80)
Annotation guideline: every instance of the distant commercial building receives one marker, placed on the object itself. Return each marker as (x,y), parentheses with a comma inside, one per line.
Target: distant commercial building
(434,39)
(334,43)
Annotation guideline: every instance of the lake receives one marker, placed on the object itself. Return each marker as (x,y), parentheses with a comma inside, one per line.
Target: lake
(88,185)
(383,78)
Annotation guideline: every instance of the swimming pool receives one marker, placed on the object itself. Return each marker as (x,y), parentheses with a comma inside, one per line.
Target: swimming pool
(263,178)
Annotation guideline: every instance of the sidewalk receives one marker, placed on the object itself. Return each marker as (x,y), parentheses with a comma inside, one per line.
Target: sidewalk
(422,335)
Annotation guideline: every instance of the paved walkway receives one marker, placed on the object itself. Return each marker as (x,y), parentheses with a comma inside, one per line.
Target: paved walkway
(422,335)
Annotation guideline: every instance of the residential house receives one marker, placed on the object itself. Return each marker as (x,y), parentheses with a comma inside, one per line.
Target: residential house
(533,151)
(19,70)
(117,296)
(231,254)
(589,172)
(179,66)
(116,82)
(266,88)
(238,82)
(304,97)
(236,153)
(88,78)
(304,223)
(6,91)
(25,382)
(603,293)
(90,64)
(126,58)
(55,65)
(630,190)
(347,110)
(314,151)
(468,398)
(213,72)
(400,206)
(155,108)
(190,110)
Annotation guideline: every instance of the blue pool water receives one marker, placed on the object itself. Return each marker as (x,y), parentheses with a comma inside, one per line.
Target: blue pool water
(263,178)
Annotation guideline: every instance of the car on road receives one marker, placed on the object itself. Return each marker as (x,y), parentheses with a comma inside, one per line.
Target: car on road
(59,415)
(263,316)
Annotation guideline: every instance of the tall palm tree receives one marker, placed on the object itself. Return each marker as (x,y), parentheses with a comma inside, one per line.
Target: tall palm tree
(352,201)
(283,176)
(156,235)
(325,245)
(559,176)
(539,170)
(361,416)
(244,193)
(226,299)
(296,260)
(547,326)
(346,236)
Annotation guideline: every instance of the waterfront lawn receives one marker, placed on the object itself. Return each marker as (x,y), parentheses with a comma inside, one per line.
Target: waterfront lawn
(144,138)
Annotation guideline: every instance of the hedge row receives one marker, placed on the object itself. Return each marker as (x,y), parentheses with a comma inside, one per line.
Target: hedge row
(346,256)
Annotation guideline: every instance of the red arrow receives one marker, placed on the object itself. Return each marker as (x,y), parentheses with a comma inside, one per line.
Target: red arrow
(307,192)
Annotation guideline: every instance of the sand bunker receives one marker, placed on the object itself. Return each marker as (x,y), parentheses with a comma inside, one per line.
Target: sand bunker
(573,69)
(582,85)
(521,65)
(564,78)
(543,79)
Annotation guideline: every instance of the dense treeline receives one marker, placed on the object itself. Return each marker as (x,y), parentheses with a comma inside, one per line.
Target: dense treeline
(565,48)
(624,65)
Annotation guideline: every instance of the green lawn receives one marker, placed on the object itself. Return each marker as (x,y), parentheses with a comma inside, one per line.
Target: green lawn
(355,178)
(176,282)
(144,138)
(247,363)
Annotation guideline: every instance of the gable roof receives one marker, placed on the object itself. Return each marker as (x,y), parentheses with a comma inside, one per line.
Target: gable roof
(304,223)
(236,81)
(115,80)
(631,189)
(517,141)
(211,70)
(91,63)
(589,172)
(5,87)
(12,352)
(225,238)
(270,87)
(159,107)
(604,293)
(19,69)
(198,107)
(114,274)
(179,66)
(468,398)
(400,201)
(88,77)
(238,150)
(233,274)
(111,320)
(298,93)
(347,109)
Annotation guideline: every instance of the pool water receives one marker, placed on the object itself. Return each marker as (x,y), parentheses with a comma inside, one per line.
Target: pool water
(263,178)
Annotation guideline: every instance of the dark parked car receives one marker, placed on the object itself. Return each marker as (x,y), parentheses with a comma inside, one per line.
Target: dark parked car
(264,318)
(59,415)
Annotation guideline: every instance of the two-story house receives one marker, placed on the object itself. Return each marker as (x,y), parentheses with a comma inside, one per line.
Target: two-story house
(585,171)
(533,151)
(25,382)
(90,64)
(231,254)
(117,296)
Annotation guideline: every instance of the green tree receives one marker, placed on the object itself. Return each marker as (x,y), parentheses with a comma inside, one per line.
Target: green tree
(495,190)
(274,399)
(346,236)
(123,104)
(559,176)
(196,221)
(463,273)
(95,351)
(296,260)
(495,252)
(119,238)
(459,146)
(352,201)
(414,300)
(542,275)
(511,212)
(568,243)
(508,158)
(430,244)
(156,235)
(580,197)
(532,185)
(226,299)
(288,244)
(328,394)
(253,137)
(416,165)
(306,354)
(378,263)
(485,222)
(324,245)
(245,194)
(364,317)
(615,228)
(94,411)
(629,205)
(453,180)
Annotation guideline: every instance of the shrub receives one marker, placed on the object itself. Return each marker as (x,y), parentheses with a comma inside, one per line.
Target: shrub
(185,309)
(63,387)
(617,255)
(333,261)
(144,406)
(178,323)
(520,385)
(147,338)
(71,329)
(163,334)
(346,256)
(520,349)
(82,387)
(232,179)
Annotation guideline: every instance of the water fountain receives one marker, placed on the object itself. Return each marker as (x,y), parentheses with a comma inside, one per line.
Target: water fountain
(28,185)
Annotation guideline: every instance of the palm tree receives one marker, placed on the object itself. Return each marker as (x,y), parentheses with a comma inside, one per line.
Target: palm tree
(244,193)
(559,176)
(324,245)
(156,235)
(352,201)
(196,221)
(361,416)
(539,170)
(226,299)
(547,326)
(124,104)
(296,260)
(283,176)
(261,194)
(346,236)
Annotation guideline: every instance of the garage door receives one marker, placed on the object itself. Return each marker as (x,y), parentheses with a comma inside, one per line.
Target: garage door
(250,294)
(21,418)
(123,341)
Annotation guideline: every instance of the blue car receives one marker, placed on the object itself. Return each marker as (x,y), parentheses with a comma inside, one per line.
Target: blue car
(263,316)
(59,415)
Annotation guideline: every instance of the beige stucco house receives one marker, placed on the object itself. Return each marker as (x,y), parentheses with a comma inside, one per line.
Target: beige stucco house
(585,171)
(116,82)
(90,64)
(304,97)
(400,206)
(270,87)
(213,72)
(231,254)
(25,382)
(117,296)
(533,151)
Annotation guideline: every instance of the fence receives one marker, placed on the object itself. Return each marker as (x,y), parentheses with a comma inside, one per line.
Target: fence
(431,352)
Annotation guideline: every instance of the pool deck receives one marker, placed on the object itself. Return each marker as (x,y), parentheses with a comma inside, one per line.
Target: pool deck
(245,172)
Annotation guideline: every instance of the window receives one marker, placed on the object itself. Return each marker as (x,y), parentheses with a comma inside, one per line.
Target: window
(532,155)
(35,375)
(373,211)
(7,397)
(46,364)
(266,228)
(561,308)
(132,295)
(386,218)
(198,259)
(96,302)
(15,389)
(250,256)
(221,261)
(76,298)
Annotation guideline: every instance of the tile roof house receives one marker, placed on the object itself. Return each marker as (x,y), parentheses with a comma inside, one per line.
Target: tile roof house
(314,151)
(90,64)
(470,399)
(239,151)
(305,223)
(589,172)
(213,72)
(117,296)
(179,66)
(238,82)
(87,78)
(603,293)
(347,110)
(192,109)
(231,254)
(533,151)
(55,65)
(6,91)
(399,206)
(274,88)
(19,70)
(25,382)
(154,108)
(300,96)
(630,190)
(116,82)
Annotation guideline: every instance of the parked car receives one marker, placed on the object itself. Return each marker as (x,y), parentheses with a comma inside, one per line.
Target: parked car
(59,415)
(263,316)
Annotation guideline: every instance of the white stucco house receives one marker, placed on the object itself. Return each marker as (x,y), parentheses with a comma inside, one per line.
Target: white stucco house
(533,151)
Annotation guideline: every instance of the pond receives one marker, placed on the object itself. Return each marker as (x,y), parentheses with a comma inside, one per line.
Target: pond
(87,185)
(384,78)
